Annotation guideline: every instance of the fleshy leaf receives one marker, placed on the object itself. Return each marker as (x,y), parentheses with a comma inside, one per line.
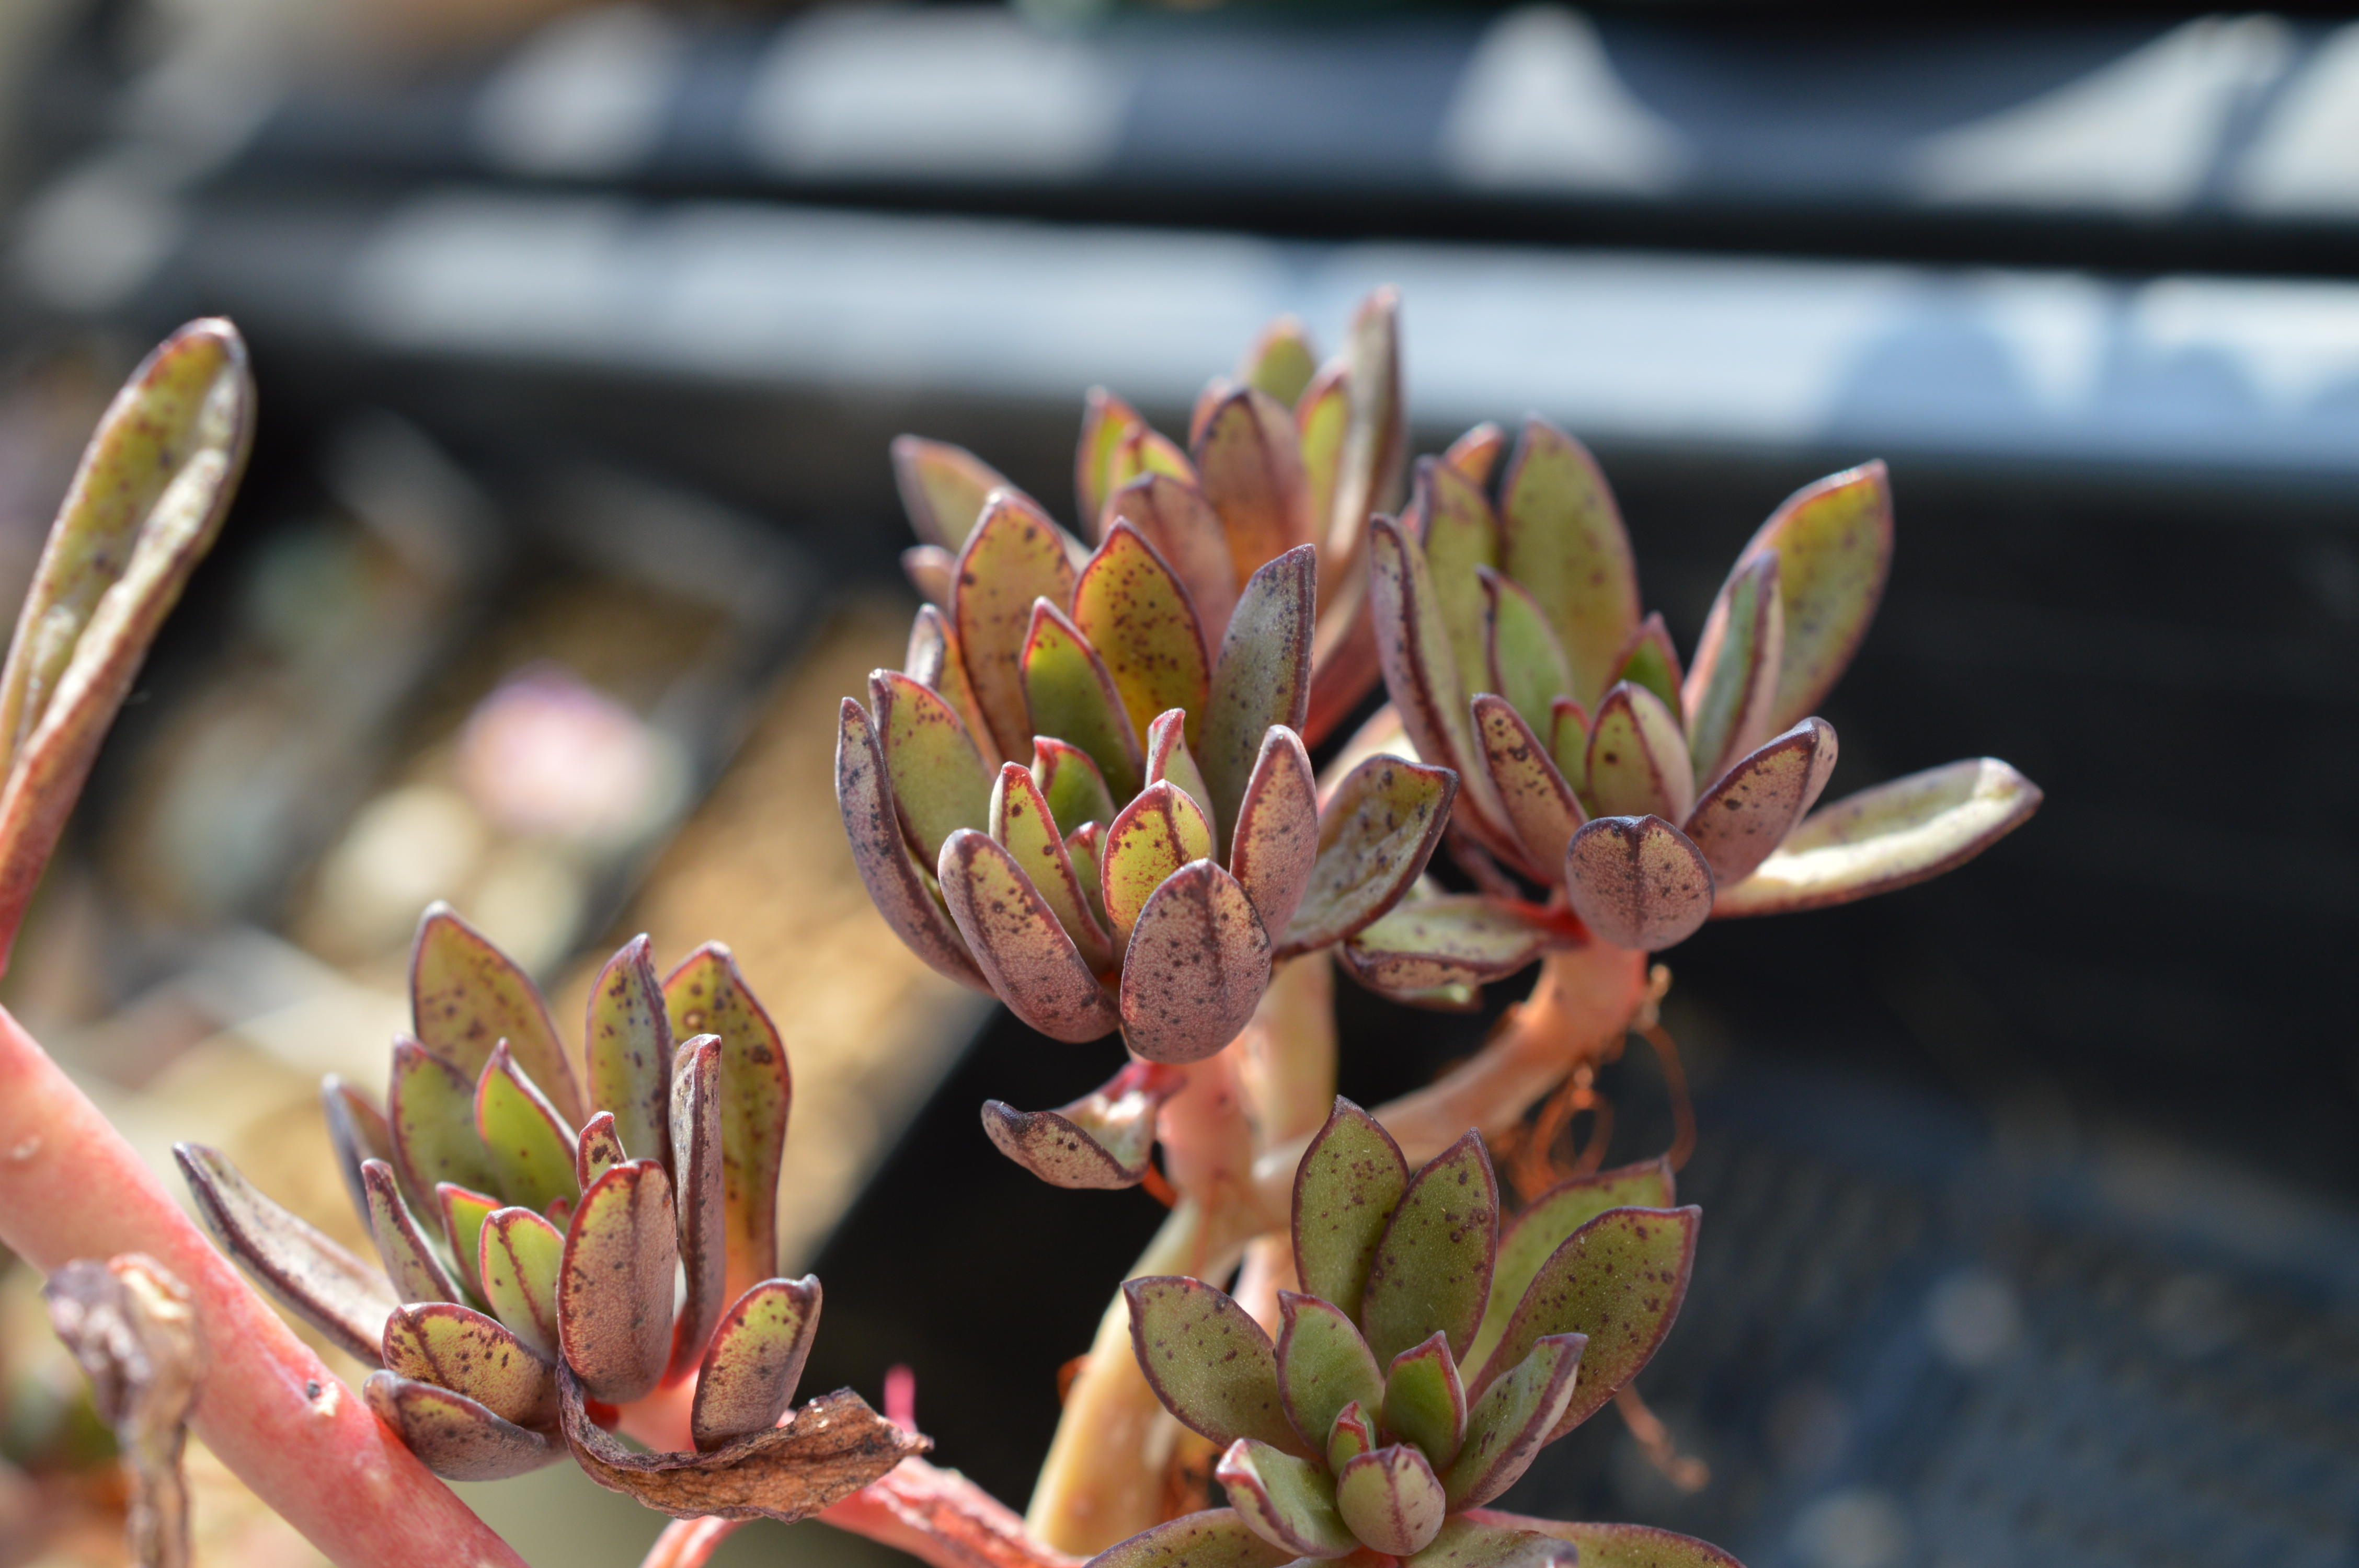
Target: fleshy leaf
(880,853)
(1562,538)
(1569,741)
(358,1130)
(1834,543)
(1637,882)
(1539,805)
(1168,759)
(466,996)
(1032,964)
(460,1348)
(1638,758)
(457,1438)
(1197,963)
(700,1195)
(1620,1545)
(1390,1500)
(1432,1267)
(432,1112)
(1209,1361)
(1014,555)
(1263,676)
(614,1291)
(1101,1140)
(749,1373)
(1467,1541)
(1476,453)
(930,570)
(1375,834)
(1176,519)
(1350,1179)
(1511,1422)
(1249,465)
(1215,1538)
(1145,451)
(940,782)
(1323,1366)
(1456,939)
(1287,1501)
(597,1150)
(1375,463)
(409,1261)
(1745,816)
(1462,542)
(1073,697)
(321,1283)
(1889,837)
(1276,840)
(1544,1224)
(1619,1280)
(1087,848)
(1424,1400)
(943,488)
(1022,822)
(1414,643)
(528,1144)
(1733,684)
(1070,783)
(1321,416)
(1354,1433)
(1106,423)
(627,1045)
(1651,661)
(1153,836)
(933,660)
(522,1256)
(1131,607)
(463,1211)
(1280,361)
(1521,659)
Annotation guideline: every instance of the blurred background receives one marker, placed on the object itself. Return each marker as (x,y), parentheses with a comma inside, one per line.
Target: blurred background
(2032,1196)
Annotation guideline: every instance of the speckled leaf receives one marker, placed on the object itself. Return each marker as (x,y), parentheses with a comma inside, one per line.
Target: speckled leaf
(1424,1400)
(1619,1280)
(1144,451)
(1323,1366)
(1569,741)
(1106,422)
(465,996)
(528,1144)
(1539,805)
(358,1130)
(1522,660)
(1375,835)
(1511,1421)
(463,1211)
(1834,543)
(1390,1500)
(1350,1179)
(1321,416)
(1544,1224)
(698,1197)
(1563,539)
(1073,697)
(627,1050)
(1197,964)
(1651,661)
(1033,965)
(432,1112)
(327,1287)
(1638,759)
(614,1291)
(1070,783)
(418,1275)
(940,782)
(748,1375)
(1014,555)
(930,570)
(900,891)
(1249,464)
(1280,361)
(1889,837)
(460,1349)
(933,660)
(1621,1545)
(1455,939)
(1370,474)
(1638,882)
(1262,676)
(1288,1502)
(1354,1433)
(1209,1361)
(1476,453)
(1467,1541)
(597,1151)
(1461,540)
(458,1439)
(1414,643)
(1215,1538)
(1432,1267)
(1131,607)
(1101,1140)
(1733,685)
(1276,842)
(943,488)
(1175,518)
(522,1254)
(707,994)
(1022,822)
(1152,837)
(1757,803)
(1085,847)
(1168,760)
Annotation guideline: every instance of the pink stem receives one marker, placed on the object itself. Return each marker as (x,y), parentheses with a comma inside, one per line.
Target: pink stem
(70,1187)
(690,1542)
(941,1518)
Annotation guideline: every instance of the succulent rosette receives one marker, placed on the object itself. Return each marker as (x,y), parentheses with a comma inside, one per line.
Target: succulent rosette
(1426,1360)
(535,1228)
(1655,795)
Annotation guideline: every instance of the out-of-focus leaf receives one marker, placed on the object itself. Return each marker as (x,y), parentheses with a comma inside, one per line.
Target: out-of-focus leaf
(431,1114)
(939,782)
(1432,1267)
(1621,1545)
(1014,555)
(933,660)
(1101,1140)
(530,1147)
(628,1046)
(1638,759)
(1176,519)
(1073,697)
(1569,741)
(1350,1179)
(1249,464)
(1070,781)
(1321,415)
(1209,1361)
(409,1261)
(1169,761)
(943,488)
(1734,686)
(1281,362)
(1651,661)
(1462,541)
(1638,882)
(358,1130)
(1106,423)
(1512,1421)
(1033,965)
(699,1197)
(321,1283)
(1563,539)
(460,1349)
(1131,607)
(930,570)
(1371,475)
(757,1357)
(1467,1541)
(1288,1502)
(1376,833)
(1757,803)
(1151,837)
(1021,821)
(1888,836)
(1262,676)
(463,1211)
(1521,659)
(1354,1433)
(1390,1500)
(1476,453)
(522,1256)
(614,1291)
(1456,939)
(1538,805)
(1424,1401)
(1544,1224)
(881,854)
(1833,541)
(132,1327)
(466,996)
(1215,1538)
(457,1438)
(1197,964)
(1323,1367)
(1144,451)
(1086,847)
(1276,840)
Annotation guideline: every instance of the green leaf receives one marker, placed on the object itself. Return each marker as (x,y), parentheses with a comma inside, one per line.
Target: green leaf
(1087,848)
(1538,805)
(1453,940)
(1413,643)
(930,570)
(1544,1224)
(1070,781)
(1287,1501)
(1468,1541)
(1637,882)
(757,1357)
(1107,424)
(1145,451)
(1321,416)
(1832,539)
(707,994)
(466,996)
(457,1438)
(1323,1366)
(1521,659)
(1460,538)
(1262,676)
(1889,837)
(1014,555)
(1424,1400)
(1174,517)
(1619,1280)
(1373,465)
(1280,362)
(1432,1267)
(1390,1500)
(1350,1179)
(358,1130)
(932,660)
(1569,741)
(1249,465)
(431,1114)
(327,1287)
(1562,538)
(1354,1433)
(1511,1422)
(902,893)
(1153,836)
(410,1261)
(1133,610)
(1168,760)
(1749,811)
(530,1146)
(1073,698)
(1651,661)
(1101,1140)
(1275,841)
(1638,759)
(614,1291)
(940,782)
(627,1049)
(1624,1545)
(1208,1361)
(1733,685)
(1033,966)
(463,1211)
(1195,968)
(943,488)
(1476,453)
(1375,835)
(522,1254)
(1022,822)
(460,1349)
(1217,1537)
(699,1197)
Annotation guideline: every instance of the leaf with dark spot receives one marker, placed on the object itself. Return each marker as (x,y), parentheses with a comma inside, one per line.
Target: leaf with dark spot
(1432,1265)
(1275,844)
(1262,676)
(615,1288)
(1071,695)
(1544,1224)
(1733,685)
(1169,761)
(943,488)
(1349,1181)
(1541,807)
(1101,1140)
(528,1144)
(463,1211)
(1832,539)
(1249,465)
(432,1116)
(1034,967)
(1460,538)
(1215,1538)
(1390,1500)
(1072,785)
(895,885)
(1150,838)
(1468,1541)
(699,1196)
(627,1052)
(459,1349)
(1638,882)
(418,1275)
(457,1438)
(1022,824)
(1131,607)
(1208,1361)
(749,1373)
(1456,939)
(707,994)
(1196,966)
(1424,1401)
(1323,1367)
(940,781)
(1287,1501)
(1376,832)
(466,996)
(1014,555)
(520,1258)
(327,1287)
(1522,661)
(933,660)
(1512,1421)
(1638,759)
(1562,538)
(1616,1545)
(1174,517)
(598,1150)
(1413,643)
(1748,812)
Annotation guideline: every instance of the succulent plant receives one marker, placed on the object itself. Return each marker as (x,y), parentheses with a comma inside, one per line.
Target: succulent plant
(532,1226)
(1427,1359)
(1654,796)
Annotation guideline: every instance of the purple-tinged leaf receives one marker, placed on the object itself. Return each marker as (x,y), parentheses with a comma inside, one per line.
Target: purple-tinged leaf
(1732,687)
(940,782)
(1460,539)
(895,885)
(1282,361)
(1175,518)
(1638,759)
(1287,1501)
(1651,661)
(431,1114)
(1354,1433)
(321,1283)
(1547,1220)
(1376,833)
(1208,1361)
(1249,465)
(1563,539)
(463,1211)
(1033,966)
(614,1291)
(1321,414)
(1014,555)
(1372,471)
(930,570)
(1350,1179)
(1323,1367)
(1070,783)
(1522,661)
(1889,837)
(1456,939)
(1152,837)
(1618,1545)
(528,1144)
(456,1438)
(699,1197)
(1432,1265)
(1217,1537)
(466,996)
(1073,697)
(1275,843)
(1476,453)
(1197,963)
(1131,607)
(1466,1541)
(933,660)
(943,488)
(409,1261)
(1262,676)
(1568,741)
(358,1130)
(1414,644)
(1511,1422)
(1745,816)
(1390,1500)
(1424,1400)
(1539,805)
(1832,539)
(627,1050)
(1101,1140)
(460,1349)
(521,1258)
(748,1375)
(1619,1280)
(1087,848)
(1025,826)
(1169,761)
(1637,882)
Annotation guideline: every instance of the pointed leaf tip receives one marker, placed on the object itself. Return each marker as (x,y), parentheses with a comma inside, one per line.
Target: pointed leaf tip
(330,1289)
(466,996)
(1208,1361)
(1378,829)
(1431,1272)
(1349,1181)
(1262,676)
(1745,815)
